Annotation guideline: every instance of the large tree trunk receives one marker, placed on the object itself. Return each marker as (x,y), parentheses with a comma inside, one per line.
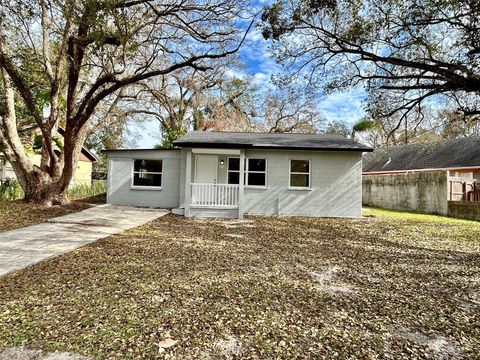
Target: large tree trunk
(44,189)
(40,189)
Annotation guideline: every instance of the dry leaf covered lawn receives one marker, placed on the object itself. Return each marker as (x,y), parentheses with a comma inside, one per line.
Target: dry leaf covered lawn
(392,285)
(17,214)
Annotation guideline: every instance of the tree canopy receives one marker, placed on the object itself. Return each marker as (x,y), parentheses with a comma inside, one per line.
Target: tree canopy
(406,53)
(63,59)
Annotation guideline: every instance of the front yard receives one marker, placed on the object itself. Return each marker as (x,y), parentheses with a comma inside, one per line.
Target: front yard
(16,214)
(392,285)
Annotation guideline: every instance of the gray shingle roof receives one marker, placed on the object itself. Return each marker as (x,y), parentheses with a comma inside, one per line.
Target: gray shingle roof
(460,152)
(269,141)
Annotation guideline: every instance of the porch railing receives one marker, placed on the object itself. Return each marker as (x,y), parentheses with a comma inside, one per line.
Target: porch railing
(214,195)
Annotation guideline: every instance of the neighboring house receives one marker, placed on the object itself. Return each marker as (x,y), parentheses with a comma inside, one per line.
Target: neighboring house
(440,178)
(83,174)
(225,174)
(458,158)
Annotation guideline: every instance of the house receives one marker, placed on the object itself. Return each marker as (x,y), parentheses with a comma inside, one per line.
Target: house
(441,178)
(458,159)
(83,174)
(226,174)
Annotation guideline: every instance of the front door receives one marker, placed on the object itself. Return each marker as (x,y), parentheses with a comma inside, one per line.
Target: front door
(206,169)
(204,191)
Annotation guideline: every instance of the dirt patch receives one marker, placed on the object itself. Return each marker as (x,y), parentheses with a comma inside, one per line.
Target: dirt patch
(442,347)
(229,347)
(326,275)
(329,282)
(234,223)
(21,353)
(236,236)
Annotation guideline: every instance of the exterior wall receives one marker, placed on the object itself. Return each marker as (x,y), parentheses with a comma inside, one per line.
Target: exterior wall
(83,174)
(425,192)
(119,189)
(464,209)
(335,185)
(6,170)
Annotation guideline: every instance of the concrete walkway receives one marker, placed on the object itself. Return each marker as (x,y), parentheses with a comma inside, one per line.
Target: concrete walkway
(26,246)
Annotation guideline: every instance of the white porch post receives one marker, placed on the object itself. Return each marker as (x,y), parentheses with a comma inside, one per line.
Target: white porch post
(241,199)
(188,180)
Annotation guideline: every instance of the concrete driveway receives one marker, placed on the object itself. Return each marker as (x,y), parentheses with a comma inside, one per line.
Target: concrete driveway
(20,248)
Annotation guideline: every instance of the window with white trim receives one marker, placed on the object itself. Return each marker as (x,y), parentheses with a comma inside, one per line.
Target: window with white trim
(256,171)
(233,169)
(147,173)
(300,173)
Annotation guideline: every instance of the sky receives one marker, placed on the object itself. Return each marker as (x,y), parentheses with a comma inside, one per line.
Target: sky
(345,106)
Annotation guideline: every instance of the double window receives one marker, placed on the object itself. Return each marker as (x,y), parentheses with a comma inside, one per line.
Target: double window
(300,173)
(255,171)
(147,173)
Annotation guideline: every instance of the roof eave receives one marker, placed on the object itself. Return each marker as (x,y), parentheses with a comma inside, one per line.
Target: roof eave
(270,147)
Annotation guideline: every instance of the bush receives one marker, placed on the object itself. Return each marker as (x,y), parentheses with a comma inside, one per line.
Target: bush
(10,190)
(84,190)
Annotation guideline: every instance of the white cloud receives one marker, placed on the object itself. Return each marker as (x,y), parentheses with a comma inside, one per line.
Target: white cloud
(345,106)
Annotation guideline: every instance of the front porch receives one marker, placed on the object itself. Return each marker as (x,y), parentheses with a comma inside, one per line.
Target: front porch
(212,188)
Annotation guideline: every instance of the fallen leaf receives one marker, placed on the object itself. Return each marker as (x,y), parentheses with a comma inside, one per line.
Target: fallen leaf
(167,343)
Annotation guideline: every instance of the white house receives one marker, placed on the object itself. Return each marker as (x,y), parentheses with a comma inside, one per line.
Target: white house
(224,174)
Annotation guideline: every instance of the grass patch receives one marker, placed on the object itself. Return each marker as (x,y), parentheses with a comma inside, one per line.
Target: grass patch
(413,216)
(433,231)
(267,287)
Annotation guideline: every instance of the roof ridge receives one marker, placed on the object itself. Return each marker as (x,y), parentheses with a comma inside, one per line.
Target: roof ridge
(264,133)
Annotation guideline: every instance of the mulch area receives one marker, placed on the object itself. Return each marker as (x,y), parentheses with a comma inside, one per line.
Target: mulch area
(17,214)
(266,287)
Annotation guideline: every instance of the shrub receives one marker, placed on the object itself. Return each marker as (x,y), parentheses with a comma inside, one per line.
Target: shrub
(84,190)
(10,190)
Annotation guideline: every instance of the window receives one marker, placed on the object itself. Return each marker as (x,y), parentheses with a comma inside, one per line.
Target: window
(233,170)
(300,173)
(147,173)
(256,172)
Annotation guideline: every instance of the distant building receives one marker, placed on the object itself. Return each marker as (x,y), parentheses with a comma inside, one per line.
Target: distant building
(83,174)
(460,158)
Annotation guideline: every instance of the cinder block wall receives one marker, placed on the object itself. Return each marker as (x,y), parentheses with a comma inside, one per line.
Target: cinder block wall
(425,192)
(464,209)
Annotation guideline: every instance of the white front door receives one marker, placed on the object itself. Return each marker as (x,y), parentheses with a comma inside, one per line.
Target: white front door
(205,192)
(206,169)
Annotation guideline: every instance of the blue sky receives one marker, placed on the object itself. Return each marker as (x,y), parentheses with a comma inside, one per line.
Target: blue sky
(345,106)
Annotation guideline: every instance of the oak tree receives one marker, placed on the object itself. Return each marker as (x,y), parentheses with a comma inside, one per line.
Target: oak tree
(63,58)
(404,52)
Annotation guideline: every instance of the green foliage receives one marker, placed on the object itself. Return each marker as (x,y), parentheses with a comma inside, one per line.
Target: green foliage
(37,142)
(11,190)
(80,191)
(364,125)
